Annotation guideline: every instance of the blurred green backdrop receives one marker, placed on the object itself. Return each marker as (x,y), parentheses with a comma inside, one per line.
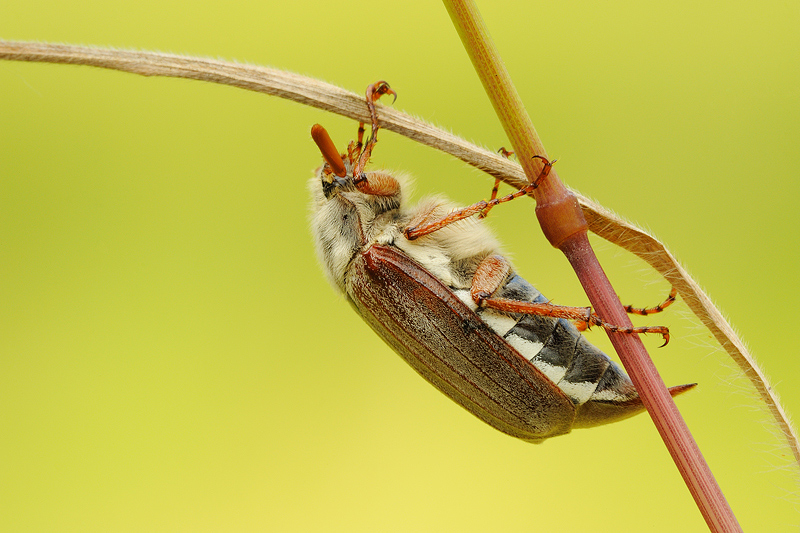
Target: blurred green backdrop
(171,358)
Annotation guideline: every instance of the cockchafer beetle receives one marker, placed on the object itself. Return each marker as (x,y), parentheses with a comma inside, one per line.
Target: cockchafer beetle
(431,282)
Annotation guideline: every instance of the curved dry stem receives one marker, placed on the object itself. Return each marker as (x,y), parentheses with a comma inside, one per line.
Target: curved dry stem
(612,228)
(315,93)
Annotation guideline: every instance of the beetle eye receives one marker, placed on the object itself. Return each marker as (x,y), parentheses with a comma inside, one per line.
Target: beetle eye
(331,184)
(328,187)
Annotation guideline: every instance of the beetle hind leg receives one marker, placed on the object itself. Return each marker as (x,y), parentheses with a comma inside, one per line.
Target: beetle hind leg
(583,325)
(579,314)
(492,272)
(644,311)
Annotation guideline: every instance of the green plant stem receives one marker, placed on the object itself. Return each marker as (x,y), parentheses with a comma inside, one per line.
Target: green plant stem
(564,226)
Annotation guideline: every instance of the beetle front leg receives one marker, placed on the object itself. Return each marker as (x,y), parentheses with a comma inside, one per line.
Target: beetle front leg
(354,149)
(416,232)
(374,92)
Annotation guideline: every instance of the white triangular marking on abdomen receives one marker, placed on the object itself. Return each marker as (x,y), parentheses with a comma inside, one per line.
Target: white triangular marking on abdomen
(580,392)
(466,297)
(609,395)
(528,349)
(500,323)
(553,372)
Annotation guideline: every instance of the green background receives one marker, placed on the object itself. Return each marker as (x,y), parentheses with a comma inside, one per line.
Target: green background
(171,358)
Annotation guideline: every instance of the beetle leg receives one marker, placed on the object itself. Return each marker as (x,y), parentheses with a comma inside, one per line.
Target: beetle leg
(482,206)
(492,272)
(360,140)
(644,311)
(378,184)
(374,91)
(496,187)
(505,153)
(488,277)
(582,314)
(582,325)
(460,214)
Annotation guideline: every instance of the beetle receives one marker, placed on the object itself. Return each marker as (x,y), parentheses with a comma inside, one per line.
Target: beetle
(431,282)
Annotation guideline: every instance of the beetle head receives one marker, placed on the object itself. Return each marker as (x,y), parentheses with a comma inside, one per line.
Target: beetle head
(349,208)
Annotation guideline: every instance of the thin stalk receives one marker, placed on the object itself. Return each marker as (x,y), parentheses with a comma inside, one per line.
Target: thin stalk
(565,227)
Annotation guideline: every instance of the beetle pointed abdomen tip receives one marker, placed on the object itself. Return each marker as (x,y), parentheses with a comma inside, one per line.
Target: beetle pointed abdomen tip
(680,389)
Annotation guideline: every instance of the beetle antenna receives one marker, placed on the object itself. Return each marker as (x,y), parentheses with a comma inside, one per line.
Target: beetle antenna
(328,149)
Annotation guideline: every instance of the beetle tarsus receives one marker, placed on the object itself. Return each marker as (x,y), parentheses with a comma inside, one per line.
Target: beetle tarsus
(545,170)
(644,311)
(505,153)
(373,93)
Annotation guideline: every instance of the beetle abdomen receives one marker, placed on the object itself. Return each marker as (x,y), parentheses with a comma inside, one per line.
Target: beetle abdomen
(599,388)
